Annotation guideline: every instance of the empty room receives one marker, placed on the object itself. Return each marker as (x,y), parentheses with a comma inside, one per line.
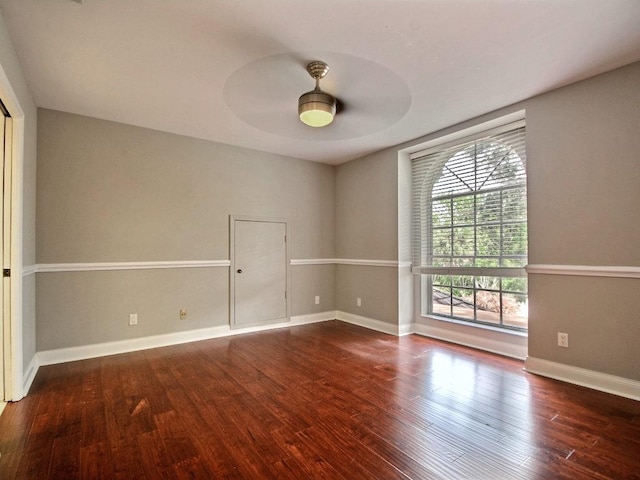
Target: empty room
(374,239)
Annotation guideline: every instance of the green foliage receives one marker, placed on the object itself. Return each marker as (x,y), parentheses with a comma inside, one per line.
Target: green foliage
(500,228)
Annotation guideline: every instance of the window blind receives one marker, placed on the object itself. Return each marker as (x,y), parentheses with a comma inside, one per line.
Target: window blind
(469,214)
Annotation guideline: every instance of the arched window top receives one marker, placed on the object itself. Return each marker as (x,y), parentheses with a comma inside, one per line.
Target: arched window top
(480,166)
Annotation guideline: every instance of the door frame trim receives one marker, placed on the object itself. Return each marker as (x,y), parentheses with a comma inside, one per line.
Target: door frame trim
(14,373)
(232,268)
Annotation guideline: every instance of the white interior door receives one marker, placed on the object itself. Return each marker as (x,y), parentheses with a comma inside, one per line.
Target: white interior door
(259,272)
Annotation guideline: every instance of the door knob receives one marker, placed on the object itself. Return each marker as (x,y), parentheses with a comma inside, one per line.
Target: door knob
(239,270)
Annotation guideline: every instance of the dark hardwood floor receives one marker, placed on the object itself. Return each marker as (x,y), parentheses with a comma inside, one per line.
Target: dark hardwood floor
(328,400)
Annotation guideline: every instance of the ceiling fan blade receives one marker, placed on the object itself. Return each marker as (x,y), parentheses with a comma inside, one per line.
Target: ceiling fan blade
(341,106)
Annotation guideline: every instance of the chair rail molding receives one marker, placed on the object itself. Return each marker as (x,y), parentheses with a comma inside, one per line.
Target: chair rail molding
(348,261)
(618,271)
(103,266)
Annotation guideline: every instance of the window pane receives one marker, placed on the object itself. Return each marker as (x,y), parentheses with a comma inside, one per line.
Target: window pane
(488,306)
(462,303)
(515,310)
(463,241)
(442,242)
(461,164)
(441,301)
(510,169)
(517,262)
(515,285)
(488,241)
(457,175)
(464,281)
(462,261)
(463,210)
(441,261)
(514,204)
(488,207)
(488,283)
(441,213)
(490,157)
(487,262)
(441,280)
(514,240)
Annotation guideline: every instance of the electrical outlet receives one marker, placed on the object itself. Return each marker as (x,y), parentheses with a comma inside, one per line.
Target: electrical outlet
(133,319)
(183,314)
(359,302)
(563,340)
(317,299)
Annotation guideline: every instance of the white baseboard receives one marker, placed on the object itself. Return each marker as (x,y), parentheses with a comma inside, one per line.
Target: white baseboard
(599,381)
(70,354)
(603,382)
(83,352)
(493,345)
(406,329)
(365,322)
(29,377)
(313,318)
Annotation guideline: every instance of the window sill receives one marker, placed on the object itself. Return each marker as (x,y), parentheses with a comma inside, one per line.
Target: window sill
(483,337)
(480,326)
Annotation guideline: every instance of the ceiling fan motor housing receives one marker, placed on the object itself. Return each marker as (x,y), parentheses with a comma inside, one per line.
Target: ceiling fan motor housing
(317,108)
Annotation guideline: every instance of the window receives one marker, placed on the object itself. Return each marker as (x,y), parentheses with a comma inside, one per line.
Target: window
(470,228)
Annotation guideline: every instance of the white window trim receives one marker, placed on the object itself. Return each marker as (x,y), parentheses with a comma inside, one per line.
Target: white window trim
(491,127)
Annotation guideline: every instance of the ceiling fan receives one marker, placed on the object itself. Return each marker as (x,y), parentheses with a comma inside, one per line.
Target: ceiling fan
(352,106)
(317,108)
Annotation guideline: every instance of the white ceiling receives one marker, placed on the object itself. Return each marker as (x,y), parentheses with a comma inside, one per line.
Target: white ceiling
(231,71)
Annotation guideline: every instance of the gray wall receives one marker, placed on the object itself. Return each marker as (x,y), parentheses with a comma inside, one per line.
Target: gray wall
(109,192)
(366,228)
(13,71)
(583,145)
(584,209)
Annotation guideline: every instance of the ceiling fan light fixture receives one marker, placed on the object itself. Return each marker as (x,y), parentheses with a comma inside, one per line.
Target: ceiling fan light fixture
(317,108)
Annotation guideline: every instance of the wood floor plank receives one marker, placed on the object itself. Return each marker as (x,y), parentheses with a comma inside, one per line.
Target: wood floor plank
(545,464)
(15,434)
(65,457)
(323,401)
(154,456)
(340,452)
(37,451)
(96,462)
(301,458)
